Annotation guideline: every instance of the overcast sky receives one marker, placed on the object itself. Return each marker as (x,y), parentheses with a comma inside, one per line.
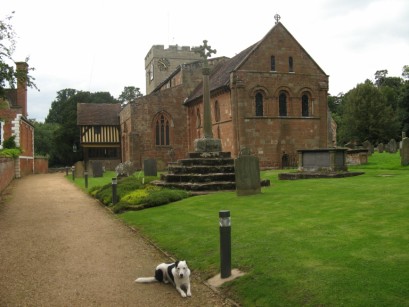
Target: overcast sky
(101,45)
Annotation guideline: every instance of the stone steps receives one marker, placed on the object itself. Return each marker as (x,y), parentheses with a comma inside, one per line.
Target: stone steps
(201,171)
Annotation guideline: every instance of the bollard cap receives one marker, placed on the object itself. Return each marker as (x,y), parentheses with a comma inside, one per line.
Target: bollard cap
(114,180)
(224,218)
(224,213)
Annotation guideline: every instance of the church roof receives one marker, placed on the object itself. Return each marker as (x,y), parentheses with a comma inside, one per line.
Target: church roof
(98,114)
(220,76)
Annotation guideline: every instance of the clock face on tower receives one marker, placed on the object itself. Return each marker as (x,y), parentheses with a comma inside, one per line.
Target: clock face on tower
(163,64)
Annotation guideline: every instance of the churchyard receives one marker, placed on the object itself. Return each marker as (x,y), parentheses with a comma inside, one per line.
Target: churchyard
(305,242)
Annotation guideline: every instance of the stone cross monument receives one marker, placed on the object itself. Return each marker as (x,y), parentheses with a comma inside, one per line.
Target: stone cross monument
(207,143)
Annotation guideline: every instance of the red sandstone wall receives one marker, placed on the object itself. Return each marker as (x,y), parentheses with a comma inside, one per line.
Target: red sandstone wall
(6,172)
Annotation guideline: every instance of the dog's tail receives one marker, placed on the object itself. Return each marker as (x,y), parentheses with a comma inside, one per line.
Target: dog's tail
(145,279)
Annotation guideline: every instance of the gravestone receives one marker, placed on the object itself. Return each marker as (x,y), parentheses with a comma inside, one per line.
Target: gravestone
(97,169)
(368,146)
(247,171)
(393,146)
(79,169)
(150,167)
(381,148)
(405,152)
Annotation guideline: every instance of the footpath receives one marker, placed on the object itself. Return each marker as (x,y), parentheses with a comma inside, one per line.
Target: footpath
(60,247)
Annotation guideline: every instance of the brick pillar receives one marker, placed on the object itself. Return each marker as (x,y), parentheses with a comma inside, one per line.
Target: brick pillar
(22,69)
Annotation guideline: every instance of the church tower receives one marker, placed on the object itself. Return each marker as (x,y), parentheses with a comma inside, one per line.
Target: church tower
(161,62)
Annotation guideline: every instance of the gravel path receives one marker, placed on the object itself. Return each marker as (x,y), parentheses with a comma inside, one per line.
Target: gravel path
(60,247)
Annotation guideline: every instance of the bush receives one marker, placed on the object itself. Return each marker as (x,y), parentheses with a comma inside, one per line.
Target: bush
(10,153)
(10,143)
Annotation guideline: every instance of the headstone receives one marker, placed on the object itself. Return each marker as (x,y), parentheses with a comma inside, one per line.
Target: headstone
(368,146)
(381,148)
(79,169)
(393,146)
(350,145)
(97,169)
(405,152)
(150,167)
(247,171)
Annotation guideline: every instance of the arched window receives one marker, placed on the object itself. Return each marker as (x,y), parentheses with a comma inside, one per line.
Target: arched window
(304,105)
(273,63)
(216,111)
(162,131)
(290,64)
(259,104)
(282,104)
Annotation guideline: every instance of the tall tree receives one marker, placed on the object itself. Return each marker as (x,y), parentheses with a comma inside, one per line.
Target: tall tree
(405,72)
(129,94)
(366,115)
(8,74)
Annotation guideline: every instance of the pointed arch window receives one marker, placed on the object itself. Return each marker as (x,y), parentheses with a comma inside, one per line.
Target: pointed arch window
(305,105)
(259,104)
(162,131)
(282,104)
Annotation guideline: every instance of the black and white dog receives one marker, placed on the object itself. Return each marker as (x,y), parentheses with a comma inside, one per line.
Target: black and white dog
(177,273)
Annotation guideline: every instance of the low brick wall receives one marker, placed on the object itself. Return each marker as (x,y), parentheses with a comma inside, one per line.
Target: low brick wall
(40,165)
(6,172)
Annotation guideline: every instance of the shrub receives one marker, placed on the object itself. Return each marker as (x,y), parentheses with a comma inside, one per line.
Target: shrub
(10,143)
(10,153)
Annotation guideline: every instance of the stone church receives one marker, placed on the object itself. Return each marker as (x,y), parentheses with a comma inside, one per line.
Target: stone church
(270,98)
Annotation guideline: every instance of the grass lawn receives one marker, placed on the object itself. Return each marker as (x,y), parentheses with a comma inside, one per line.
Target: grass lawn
(327,242)
(93,181)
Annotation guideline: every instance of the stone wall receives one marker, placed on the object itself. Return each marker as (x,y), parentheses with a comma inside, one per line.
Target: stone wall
(6,172)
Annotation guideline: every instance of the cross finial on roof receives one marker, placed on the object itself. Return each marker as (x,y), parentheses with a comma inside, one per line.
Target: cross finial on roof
(277,17)
(205,51)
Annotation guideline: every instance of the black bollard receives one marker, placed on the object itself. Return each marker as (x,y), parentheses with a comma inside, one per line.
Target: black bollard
(86,179)
(73,173)
(66,171)
(225,243)
(114,184)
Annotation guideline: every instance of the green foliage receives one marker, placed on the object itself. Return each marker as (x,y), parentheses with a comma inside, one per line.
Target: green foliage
(10,153)
(129,94)
(136,193)
(10,143)
(366,115)
(8,74)
(43,139)
(315,242)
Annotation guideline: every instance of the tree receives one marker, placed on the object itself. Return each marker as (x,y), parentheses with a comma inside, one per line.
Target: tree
(380,76)
(8,75)
(366,115)
(405,72)
(129,94)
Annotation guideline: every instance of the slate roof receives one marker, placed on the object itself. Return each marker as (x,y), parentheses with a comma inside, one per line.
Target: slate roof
(98,114)
(220,76)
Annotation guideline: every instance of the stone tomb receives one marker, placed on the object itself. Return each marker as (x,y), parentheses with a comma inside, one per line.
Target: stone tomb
(322,160)
(320,163)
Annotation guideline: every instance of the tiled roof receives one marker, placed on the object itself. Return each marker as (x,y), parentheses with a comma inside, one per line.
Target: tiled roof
(101,114)
(220,75)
